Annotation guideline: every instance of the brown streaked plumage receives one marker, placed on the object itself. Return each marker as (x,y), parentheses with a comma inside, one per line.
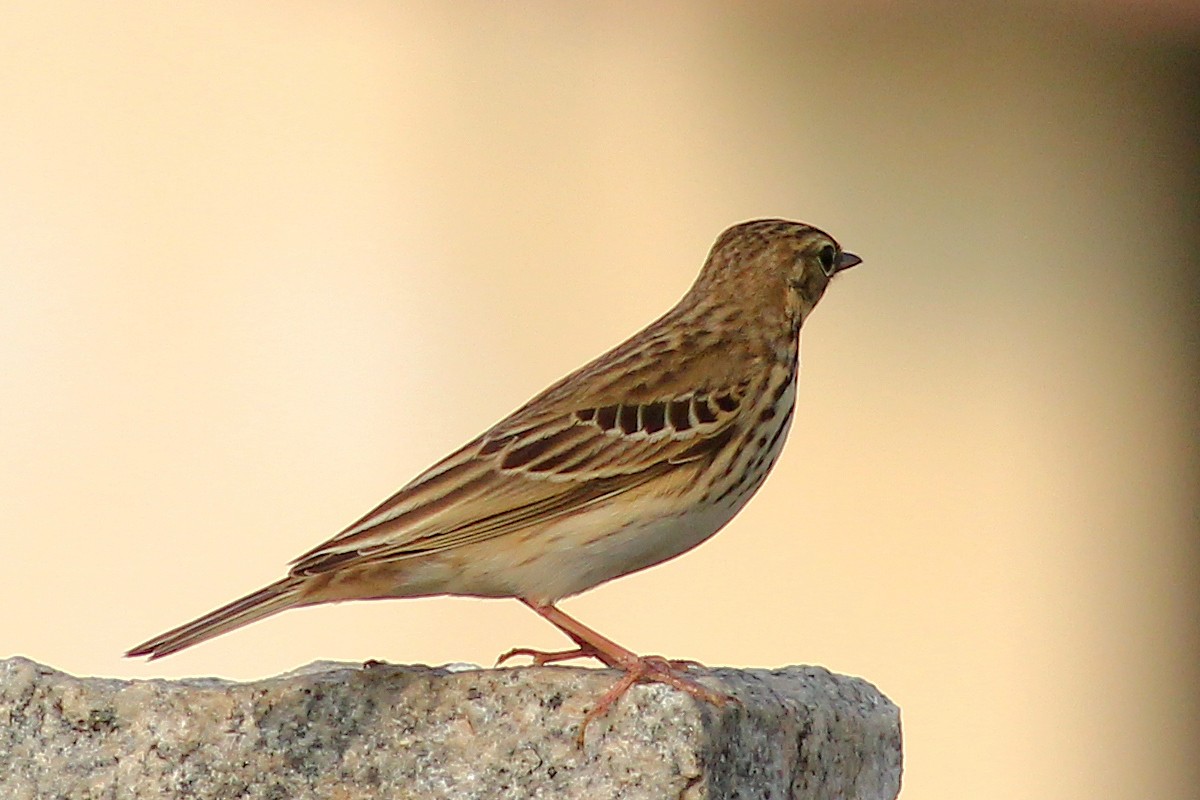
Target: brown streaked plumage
(630,460)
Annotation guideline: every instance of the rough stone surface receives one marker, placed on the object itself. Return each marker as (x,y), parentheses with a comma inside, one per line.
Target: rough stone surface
(343,732)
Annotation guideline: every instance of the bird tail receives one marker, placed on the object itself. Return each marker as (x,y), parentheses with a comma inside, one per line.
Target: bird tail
(281,595)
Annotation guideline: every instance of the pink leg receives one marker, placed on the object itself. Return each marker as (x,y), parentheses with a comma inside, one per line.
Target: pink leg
(650,669)
(540,657)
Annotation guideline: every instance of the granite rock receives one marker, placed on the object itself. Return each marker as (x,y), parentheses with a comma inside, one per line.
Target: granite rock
(349,731)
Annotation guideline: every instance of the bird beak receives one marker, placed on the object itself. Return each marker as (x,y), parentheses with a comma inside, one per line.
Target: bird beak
(847,261)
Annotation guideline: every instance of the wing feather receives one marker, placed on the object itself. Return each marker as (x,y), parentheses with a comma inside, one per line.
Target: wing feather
(531,470)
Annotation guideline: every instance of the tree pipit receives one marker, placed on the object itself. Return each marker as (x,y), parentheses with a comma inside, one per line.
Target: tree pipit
(631,460)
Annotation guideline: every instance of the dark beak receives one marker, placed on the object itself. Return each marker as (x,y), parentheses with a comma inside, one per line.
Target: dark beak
(847,261)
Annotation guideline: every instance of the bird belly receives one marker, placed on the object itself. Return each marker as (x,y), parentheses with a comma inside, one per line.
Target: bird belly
(626,534)
(574,555)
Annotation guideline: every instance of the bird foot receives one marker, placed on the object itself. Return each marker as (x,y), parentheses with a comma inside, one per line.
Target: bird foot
(652,669)
(541,657)
(637,669)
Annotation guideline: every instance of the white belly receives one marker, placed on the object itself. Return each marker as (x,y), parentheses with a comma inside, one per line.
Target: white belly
(628,533)
(622,537)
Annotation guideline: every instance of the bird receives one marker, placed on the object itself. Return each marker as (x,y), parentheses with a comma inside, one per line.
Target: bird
(631,460)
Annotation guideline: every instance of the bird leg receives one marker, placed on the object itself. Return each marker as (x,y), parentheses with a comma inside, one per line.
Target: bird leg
(648,669)
(584,648)
(541,657)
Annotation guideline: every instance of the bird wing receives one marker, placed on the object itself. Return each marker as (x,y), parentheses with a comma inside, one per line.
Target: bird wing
(543,463)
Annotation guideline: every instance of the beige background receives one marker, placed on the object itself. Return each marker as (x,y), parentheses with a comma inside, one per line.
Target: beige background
(263,262)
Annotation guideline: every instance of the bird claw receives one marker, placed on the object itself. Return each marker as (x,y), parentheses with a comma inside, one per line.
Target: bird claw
(652,669)
(541,657)
(643,669)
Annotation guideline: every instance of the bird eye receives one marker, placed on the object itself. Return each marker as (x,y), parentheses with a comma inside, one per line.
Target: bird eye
(828,257)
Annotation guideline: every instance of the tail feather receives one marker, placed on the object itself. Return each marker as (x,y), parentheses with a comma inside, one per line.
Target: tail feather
(281,595)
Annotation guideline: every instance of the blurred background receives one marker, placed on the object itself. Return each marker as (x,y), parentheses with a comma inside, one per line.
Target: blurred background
(261,263)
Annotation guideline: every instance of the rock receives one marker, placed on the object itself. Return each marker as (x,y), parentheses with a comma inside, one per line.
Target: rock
(345,731)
